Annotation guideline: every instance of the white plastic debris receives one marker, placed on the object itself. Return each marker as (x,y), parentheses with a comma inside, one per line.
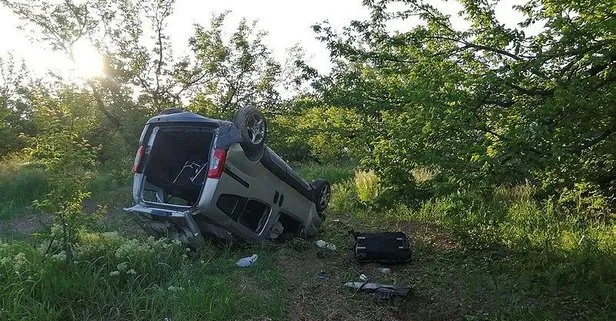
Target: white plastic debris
(247,261)
(363,277)
(384,270)
(323,244)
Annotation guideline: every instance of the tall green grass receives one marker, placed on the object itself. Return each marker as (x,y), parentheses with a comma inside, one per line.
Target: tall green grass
(334,173)
(114,278)
(544,248)
(112,183)
(21,182)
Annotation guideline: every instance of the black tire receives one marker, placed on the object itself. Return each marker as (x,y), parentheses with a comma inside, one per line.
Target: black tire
(253,129)
(323,192)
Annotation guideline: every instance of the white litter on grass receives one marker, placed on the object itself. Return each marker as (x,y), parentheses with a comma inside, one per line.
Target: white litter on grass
(322,244)
(247,261)
(363,277)
(384,270)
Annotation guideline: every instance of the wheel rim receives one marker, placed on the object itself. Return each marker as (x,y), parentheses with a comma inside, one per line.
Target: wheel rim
(256,129)
(324,197)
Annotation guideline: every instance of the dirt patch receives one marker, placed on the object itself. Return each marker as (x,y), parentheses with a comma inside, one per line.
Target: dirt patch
(311,298)
(26,225)
(436,291)
(90,206)
(431,235)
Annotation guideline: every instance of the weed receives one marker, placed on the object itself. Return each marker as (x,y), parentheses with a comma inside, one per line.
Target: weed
(344,197)
(368,185)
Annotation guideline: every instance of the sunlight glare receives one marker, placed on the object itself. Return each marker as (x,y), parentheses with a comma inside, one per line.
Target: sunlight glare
(88,61)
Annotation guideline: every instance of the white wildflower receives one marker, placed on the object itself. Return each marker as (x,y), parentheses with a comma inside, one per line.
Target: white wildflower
(174,288)
(59,257)
(114,273)
(122,266)
(19,260)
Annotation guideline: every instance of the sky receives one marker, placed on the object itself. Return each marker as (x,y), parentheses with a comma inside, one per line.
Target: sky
(288,22)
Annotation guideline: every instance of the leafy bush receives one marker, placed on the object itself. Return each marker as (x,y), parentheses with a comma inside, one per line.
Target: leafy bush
(68,159)
(323,134)
(368,185)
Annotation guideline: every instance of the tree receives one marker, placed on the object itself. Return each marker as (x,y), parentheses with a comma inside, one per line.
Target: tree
(234,70)
(68,159)
(15,105)
(488,105)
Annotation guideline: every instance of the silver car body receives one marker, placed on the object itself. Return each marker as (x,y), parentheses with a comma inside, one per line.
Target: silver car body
(251,200)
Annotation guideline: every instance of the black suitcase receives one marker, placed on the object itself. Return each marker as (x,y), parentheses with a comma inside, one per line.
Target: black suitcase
(383,247)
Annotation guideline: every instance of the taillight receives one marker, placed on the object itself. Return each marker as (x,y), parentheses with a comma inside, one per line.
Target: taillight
(217,163)
(138,164)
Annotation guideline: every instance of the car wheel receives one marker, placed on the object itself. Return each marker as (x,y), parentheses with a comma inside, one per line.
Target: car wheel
(323,191)
(253,128)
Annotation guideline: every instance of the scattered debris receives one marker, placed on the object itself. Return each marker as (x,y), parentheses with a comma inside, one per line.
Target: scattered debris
(321,276)
(380,291)
(322,244)
(363,277)
(247,261)
(384,270)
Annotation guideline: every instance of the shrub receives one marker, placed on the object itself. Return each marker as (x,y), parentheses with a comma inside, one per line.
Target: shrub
(344,197)
(368,186)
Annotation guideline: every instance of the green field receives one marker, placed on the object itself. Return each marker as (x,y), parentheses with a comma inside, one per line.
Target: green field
(466,268)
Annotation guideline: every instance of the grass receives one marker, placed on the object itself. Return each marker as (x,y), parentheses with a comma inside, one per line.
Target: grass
(20,184)
(510,257)
(23,181)
(334,173)
(111,178)
(115,278)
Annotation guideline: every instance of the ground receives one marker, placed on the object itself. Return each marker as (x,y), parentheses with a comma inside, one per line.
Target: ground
(449,281)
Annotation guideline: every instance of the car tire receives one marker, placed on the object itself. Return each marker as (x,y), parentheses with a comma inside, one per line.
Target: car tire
(323,191)
(253,129)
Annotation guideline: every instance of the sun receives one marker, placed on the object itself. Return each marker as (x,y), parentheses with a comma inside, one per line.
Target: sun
(88,61)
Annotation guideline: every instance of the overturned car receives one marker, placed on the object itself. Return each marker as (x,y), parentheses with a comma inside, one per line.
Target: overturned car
(198,178)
